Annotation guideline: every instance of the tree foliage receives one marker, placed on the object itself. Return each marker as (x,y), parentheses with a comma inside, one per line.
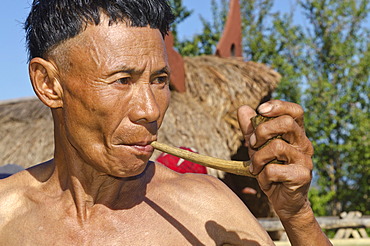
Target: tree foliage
(205,42)
(337,99)
(271,38)
(324,64)
(181,13)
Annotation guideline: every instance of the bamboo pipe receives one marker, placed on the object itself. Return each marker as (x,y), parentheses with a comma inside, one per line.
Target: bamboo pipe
(235,167)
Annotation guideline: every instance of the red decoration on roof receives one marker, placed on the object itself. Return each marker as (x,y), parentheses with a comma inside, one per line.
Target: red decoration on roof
(230,44)
(177,78)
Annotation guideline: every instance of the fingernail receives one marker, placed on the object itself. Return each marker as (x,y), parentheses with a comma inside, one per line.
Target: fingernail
(253,140)
(265,108)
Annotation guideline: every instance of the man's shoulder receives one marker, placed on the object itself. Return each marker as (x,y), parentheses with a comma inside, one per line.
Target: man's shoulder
(27,177)
(14,189)
(11,200)
(204,198)
(200,187)
(186,180)
(14,186)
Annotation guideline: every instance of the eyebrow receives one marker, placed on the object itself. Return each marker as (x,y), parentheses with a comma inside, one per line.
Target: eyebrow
(127,70)
(165,70)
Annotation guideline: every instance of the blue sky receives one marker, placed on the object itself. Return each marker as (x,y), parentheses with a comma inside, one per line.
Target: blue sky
(14,81)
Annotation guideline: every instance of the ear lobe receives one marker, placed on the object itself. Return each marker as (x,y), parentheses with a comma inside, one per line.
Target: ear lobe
(43,75)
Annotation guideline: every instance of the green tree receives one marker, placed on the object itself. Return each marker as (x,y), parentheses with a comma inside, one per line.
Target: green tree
(337,57)
(325,68)
(181,13)
(205,42)
(272,38)
(327,61)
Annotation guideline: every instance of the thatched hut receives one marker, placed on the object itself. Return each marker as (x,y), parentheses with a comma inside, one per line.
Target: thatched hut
(204,117)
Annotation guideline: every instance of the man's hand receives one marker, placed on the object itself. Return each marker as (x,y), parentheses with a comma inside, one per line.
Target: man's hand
(286,185)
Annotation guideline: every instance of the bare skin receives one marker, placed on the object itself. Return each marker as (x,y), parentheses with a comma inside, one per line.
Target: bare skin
(108,97)
(160,207)
(286,185)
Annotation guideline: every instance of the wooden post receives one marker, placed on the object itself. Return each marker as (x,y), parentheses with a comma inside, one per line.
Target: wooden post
(350,225)
(345,233)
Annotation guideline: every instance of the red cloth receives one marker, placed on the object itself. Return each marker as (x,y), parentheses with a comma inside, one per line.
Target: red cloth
(180,165)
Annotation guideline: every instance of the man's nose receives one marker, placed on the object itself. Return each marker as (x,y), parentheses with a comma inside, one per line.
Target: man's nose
(144,106)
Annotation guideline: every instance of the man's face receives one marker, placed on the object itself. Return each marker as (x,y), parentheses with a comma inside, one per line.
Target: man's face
(115,94)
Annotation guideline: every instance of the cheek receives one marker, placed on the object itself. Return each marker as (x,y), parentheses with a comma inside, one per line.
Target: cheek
(87,115)
(163,101)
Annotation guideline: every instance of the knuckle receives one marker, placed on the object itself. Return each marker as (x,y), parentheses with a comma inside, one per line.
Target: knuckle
(289,122)
(306,176)
(278,145)
(261,130)
(306,147)
(257,160)
(310,149)
(300,176)
(309,163)
(269,171)
(299,110)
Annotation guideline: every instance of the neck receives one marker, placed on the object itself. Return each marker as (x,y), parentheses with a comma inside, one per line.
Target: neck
(87,188)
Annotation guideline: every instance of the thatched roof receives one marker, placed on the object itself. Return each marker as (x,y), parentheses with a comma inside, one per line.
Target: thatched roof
(26,129)
(204,117)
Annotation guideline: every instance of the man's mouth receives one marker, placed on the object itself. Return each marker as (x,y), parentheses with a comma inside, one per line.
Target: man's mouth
(139,146)
(143,148)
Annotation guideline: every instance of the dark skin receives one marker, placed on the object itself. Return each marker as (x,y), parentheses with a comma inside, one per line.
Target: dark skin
(286,185)
(108,90)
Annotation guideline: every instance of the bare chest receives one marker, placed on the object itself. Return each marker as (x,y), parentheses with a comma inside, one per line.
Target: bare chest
(149,227)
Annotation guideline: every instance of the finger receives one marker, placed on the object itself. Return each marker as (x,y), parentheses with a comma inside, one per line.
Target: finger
(286,127)
(276,108)
(294,176)
(245,113)
(279,150)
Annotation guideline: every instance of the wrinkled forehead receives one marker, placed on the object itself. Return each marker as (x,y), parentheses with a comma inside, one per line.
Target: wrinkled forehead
(105,45)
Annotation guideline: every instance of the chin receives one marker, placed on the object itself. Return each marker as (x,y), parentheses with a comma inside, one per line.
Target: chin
(129,170)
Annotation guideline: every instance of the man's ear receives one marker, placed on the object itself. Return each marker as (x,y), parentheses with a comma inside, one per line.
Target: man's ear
(44,78)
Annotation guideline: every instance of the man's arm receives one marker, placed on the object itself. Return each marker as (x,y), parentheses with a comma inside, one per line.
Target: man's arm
(286,185)
(303,229)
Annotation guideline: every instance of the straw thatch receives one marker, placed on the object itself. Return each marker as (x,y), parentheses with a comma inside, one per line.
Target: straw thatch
(204,117)
(26,132)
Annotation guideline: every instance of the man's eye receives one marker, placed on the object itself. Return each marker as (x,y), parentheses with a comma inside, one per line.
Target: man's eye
(123,81)
(161,80)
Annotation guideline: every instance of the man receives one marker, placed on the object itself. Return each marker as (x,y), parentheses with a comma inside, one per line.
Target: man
(101,67)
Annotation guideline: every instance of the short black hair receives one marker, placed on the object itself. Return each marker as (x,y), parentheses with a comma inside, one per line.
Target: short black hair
(51,22)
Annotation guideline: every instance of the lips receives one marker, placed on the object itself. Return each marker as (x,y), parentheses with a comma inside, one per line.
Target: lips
(141,147)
